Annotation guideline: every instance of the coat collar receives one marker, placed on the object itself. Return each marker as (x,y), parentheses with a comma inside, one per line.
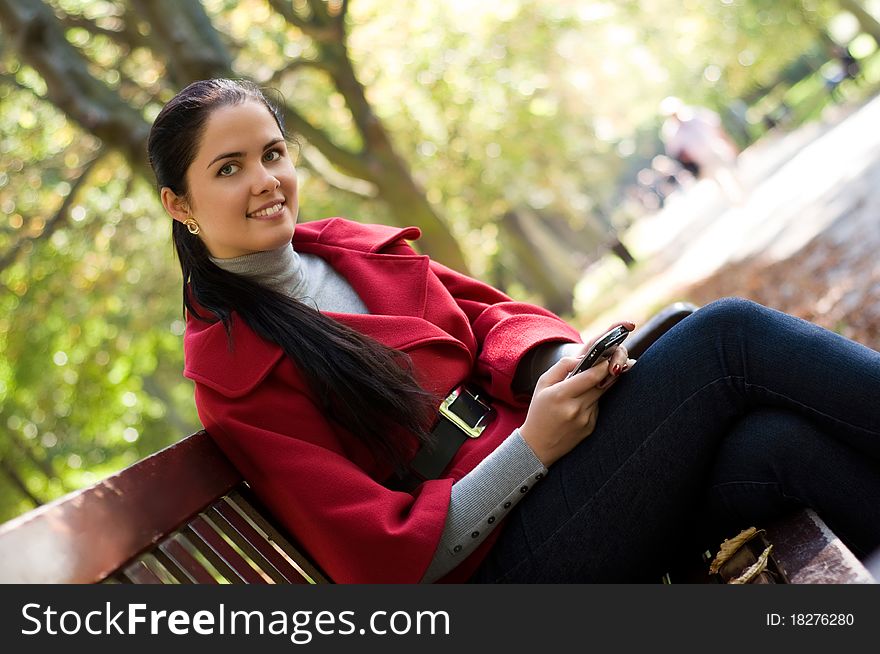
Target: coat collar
(353,250)
(395,293)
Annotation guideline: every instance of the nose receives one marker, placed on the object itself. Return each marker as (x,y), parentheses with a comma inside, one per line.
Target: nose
(265,182)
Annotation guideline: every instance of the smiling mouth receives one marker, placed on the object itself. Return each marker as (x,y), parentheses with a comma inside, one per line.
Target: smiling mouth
(267,212)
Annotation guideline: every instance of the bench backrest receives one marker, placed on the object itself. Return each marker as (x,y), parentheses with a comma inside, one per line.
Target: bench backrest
(182,515)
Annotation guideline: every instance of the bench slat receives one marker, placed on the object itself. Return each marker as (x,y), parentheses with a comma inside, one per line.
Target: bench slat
(256,545)
(242,498)
(176,572)
(221,555)
(189,565)
(180,575)
(139,573)
(256,558)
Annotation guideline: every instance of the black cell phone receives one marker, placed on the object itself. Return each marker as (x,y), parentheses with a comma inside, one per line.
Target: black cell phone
(603,349)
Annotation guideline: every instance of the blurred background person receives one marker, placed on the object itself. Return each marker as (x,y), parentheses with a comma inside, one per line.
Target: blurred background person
(842,67)
(695,138)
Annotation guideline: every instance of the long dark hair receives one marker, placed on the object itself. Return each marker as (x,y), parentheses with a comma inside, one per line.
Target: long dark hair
(363,385)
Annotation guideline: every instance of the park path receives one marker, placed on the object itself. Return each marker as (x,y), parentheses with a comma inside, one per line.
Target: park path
(805,238)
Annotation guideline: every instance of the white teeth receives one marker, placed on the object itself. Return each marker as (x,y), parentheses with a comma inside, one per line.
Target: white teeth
(267,212)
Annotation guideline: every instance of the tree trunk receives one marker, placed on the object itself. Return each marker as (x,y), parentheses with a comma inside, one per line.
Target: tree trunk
(392,175)
(409,206)
(195,51)
(622,252)
(545,273)
(192,47)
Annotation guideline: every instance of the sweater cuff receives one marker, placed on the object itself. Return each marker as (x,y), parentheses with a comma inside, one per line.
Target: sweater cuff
(485,495)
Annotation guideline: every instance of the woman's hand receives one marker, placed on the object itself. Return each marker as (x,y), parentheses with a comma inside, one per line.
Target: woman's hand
(563,411)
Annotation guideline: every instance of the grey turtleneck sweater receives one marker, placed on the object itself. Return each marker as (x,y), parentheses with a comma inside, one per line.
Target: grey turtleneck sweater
(482,497)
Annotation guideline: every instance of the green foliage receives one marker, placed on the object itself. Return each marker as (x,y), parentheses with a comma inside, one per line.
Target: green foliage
(90,378)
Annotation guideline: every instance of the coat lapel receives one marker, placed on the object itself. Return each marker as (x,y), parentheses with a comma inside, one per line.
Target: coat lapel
(394,286)
(390,284)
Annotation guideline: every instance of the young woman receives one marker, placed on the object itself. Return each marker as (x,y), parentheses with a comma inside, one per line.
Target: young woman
(321,354)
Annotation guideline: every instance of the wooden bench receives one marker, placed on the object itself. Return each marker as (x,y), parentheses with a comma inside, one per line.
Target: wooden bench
(185,515)
(182,515)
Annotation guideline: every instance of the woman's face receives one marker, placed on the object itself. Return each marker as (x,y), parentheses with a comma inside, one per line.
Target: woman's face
(242,184)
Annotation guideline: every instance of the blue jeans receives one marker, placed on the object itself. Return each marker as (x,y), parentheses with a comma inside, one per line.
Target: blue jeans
(738,414)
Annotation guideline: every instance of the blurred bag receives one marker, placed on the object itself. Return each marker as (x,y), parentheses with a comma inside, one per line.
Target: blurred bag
(747,558)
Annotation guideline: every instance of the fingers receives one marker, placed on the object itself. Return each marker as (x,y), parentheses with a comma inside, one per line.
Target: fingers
(599,376)
(618,365)
(557,373)
(583,381)
(629,324)
(618,360)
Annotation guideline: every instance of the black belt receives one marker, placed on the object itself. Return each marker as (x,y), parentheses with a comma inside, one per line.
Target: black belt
(463,415)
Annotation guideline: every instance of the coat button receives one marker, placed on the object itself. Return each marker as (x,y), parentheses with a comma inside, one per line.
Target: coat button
(456,549)
(475,534)
(491,519)
(523,489)
(539,476)
(507,505)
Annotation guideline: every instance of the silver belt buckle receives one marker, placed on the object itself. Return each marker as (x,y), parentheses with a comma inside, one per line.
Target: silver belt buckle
(461,394)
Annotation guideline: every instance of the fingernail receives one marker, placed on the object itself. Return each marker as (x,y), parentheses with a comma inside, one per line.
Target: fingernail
(625,366)
(615,370)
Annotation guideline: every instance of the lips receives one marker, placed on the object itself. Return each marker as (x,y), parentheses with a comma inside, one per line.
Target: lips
(267,210)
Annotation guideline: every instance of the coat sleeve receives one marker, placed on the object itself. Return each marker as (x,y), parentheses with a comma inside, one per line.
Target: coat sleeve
(356,530)
(504,329)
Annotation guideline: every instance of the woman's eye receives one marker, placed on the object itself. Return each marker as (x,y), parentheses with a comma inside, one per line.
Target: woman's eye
(227,169)
(272,155)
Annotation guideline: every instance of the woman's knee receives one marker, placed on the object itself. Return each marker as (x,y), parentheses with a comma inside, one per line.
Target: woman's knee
(726,316)
(730,309)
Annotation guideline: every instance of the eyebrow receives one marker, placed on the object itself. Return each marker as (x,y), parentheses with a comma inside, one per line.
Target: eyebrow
(227,155)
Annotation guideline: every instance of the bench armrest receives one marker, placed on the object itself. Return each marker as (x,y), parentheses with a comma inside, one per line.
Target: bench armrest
(661,322)
(544,356)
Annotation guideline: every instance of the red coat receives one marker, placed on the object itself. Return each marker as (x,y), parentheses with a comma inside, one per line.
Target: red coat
(315,477)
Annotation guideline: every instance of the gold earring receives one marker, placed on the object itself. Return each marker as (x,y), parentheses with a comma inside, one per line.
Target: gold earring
(192,226)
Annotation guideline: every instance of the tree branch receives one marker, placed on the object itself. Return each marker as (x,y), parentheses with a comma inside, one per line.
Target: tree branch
(193,46)
(296,64)
(127,37)
(70,86)
(18,482)
(353,185)
(311,26)
(352,163)
(320,11)
(56,221)
(44,465)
